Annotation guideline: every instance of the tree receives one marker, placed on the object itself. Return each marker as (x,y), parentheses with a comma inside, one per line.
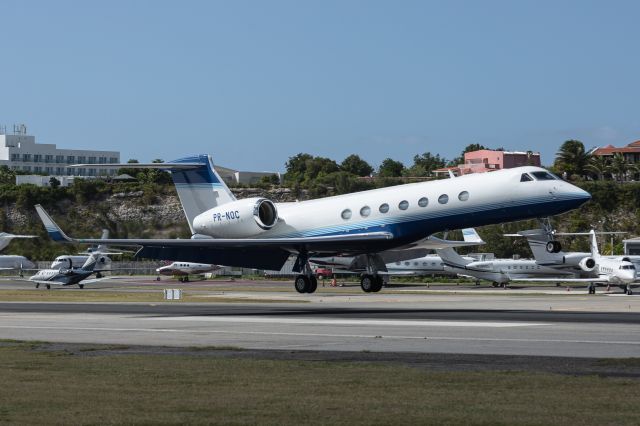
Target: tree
(7,175)
(390,168)
(599,165)
(572,158)
(469,148)
(619,167)
(425,164)
(355,165)
(54,183)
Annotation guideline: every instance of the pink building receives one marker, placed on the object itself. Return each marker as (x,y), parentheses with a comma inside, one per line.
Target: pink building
(487,160)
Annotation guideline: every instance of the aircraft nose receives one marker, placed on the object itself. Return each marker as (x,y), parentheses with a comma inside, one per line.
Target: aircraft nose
(570,191)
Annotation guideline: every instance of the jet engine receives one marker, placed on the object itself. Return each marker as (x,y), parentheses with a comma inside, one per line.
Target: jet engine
(239,219)
(587,264)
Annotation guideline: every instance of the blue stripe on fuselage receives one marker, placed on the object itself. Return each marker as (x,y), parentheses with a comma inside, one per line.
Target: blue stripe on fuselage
(421,225)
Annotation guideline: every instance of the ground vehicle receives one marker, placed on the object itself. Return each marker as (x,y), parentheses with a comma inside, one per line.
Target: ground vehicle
(322,273)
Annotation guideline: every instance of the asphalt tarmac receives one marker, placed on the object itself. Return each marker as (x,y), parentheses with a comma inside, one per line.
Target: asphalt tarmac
(343,320)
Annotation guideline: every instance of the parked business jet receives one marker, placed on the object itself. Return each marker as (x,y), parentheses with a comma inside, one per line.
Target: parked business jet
(68,276)
(10,262)
(613,270)
(184,269)
(498,271)
(258,233)
(77,260)
(397,262)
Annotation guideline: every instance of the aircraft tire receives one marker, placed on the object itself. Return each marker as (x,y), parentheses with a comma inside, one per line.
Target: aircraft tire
(48,287)
(367,283)
(379,283)
(81,286)
(495,284)
(37,285)
(629,292)
(302,284)
(313,284)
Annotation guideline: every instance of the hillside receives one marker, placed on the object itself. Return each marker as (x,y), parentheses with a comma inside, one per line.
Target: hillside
(153,210)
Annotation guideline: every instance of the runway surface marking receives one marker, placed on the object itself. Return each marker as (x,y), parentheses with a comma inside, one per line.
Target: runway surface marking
(321,321)
(332,335)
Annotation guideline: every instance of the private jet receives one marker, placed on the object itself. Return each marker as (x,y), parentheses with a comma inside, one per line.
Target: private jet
(258,233)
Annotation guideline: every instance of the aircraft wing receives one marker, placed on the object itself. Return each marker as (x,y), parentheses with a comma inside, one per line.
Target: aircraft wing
(262,253)
(559,279)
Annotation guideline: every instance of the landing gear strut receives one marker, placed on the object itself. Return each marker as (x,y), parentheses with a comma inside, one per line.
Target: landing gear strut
(307,281)
(592,288)
(628,290)
(372,282)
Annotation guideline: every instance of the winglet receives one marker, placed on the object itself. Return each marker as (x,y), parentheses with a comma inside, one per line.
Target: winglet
(52,228)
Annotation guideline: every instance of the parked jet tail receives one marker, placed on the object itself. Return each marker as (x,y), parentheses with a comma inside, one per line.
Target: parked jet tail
(199,186)
(471,236)
(52,228)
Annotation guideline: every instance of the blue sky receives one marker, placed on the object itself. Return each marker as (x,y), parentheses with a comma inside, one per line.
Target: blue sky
(253,83)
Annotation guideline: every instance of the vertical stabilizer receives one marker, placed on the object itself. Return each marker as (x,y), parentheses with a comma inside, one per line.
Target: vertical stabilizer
(595,253)
(451,258)
(471,236)
(538,239)
(200,188)
(91,262)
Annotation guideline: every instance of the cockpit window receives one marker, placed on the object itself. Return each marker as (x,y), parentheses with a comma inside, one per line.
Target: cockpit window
(627,267)
(543,176)
(525,178)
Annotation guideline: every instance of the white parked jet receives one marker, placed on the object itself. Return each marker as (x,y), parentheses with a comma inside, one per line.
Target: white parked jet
(13,262)
(68,276)
(77,260)
(614,270)
(498,271)
(184,269)
(258,233)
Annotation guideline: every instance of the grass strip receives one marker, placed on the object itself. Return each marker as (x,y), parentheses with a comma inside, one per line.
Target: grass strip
(57,386)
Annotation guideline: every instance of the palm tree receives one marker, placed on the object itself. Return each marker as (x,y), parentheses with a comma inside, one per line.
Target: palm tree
(599,164)
(620,167)
(572,158)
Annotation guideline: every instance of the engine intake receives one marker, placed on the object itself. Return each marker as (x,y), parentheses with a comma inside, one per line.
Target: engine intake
(240,219)
(587,264)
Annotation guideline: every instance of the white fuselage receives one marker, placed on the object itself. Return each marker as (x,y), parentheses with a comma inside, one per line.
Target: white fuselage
(186,268)
(505,270)
(10,261)
(77,261)
(413,211)
(615,271)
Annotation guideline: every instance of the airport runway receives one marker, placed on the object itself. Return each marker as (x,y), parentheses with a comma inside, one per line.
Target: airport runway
(573,326)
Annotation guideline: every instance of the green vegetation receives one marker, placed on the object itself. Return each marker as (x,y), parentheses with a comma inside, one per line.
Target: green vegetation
(48,385)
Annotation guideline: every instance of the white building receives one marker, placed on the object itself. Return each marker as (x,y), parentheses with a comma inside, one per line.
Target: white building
(20,151)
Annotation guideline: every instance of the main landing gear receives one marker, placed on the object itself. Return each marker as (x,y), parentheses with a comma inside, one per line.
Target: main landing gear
(628,290)
(306,283)
(371,283)
(592,288)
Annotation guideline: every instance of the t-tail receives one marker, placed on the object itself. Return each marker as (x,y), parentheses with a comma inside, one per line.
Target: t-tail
(471,236)
(595,253)
(538,240)
(199,186)
(451,258)
(91,262)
